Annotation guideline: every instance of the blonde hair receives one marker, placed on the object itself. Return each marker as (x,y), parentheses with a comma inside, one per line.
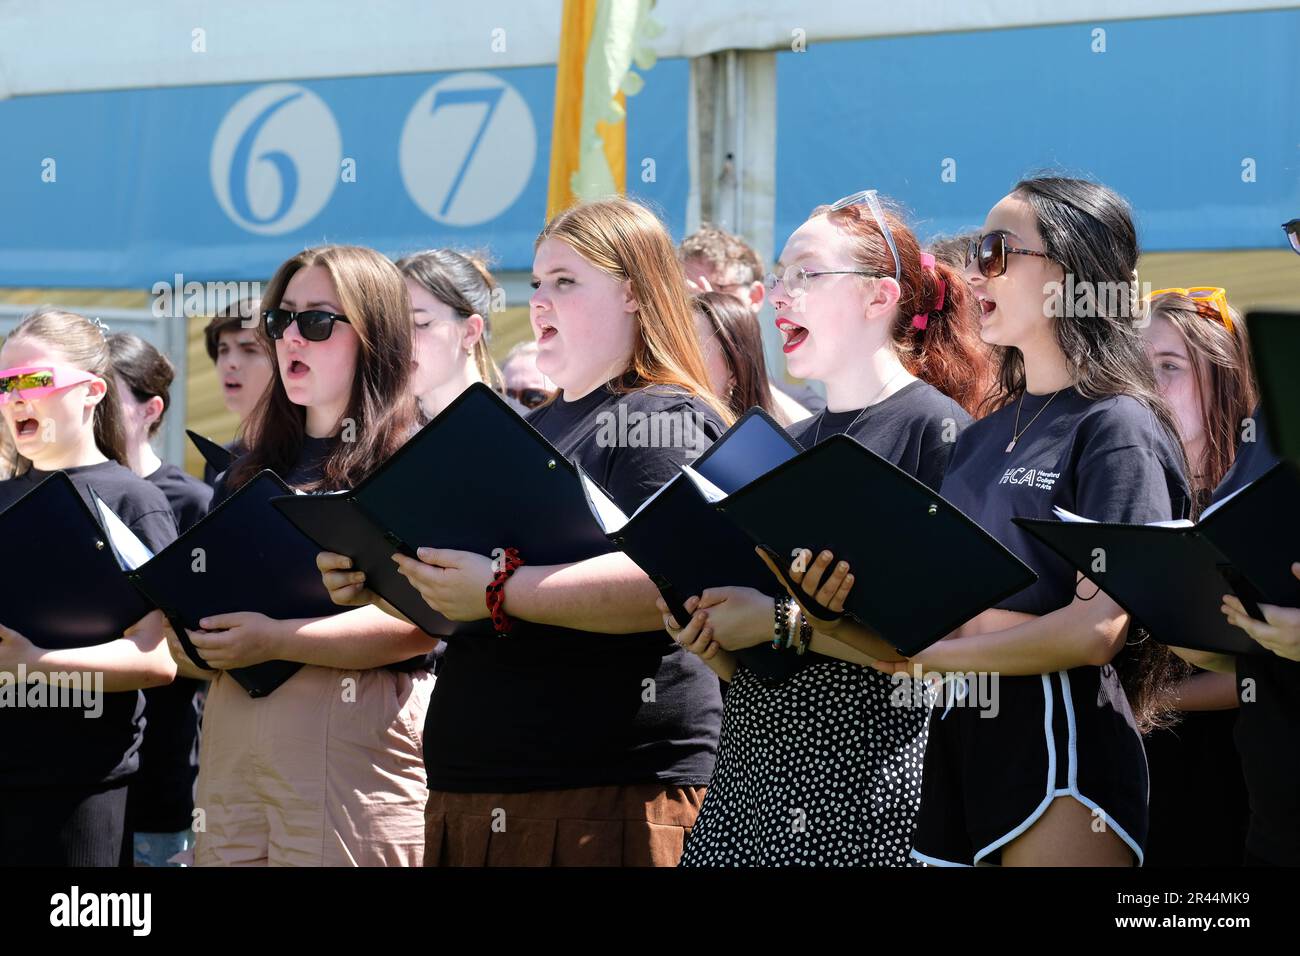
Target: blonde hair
(627,242)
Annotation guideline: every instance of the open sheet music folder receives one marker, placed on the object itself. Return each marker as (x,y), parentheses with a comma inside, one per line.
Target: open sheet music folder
(1172,575)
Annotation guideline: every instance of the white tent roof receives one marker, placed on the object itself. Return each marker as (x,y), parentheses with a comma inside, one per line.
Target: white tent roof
(81,45)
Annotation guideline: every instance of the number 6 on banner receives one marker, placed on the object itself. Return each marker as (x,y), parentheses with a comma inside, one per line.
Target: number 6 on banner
(275,159)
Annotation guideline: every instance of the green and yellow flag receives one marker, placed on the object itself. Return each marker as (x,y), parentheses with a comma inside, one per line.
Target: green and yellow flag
(599,42)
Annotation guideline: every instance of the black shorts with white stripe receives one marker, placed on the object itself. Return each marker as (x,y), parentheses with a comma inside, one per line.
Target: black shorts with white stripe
(992,771)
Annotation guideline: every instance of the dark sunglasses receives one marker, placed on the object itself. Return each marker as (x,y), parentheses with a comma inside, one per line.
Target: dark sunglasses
(991,253)
(314,325)
(529,397)
(1292,230)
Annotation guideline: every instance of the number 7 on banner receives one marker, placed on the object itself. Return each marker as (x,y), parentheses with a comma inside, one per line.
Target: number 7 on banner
(487,96)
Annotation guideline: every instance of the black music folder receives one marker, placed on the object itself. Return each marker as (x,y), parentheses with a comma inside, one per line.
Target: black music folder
(1171,575)
(218,456)
(1275,349)
(241,557)
(685,545)
(476,478)
(79,595)
(921,567)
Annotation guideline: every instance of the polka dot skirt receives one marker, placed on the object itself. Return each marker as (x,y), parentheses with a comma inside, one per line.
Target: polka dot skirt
(821,770)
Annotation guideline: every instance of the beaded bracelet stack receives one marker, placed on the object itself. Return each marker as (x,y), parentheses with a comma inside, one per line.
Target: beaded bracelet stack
(780,619)
(789,627)
(805,634)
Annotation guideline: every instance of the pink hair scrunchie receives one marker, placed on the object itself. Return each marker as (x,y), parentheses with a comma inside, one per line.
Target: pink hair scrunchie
(922,319)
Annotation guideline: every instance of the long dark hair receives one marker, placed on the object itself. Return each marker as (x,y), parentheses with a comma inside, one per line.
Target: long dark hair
(736,328)
(948,353)
(85,346)
(1088,229)
(373,296)
(145,370)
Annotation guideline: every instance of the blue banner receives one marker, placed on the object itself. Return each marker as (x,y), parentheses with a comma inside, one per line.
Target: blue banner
(1196,120)
(225,182)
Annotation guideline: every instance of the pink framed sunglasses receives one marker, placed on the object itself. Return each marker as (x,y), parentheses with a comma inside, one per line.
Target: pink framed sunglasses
(36,381)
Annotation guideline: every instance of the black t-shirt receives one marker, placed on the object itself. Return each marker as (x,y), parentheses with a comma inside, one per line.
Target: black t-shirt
(187,496)
(549,707)
(1106,459)
(50,747)
(916,429)
(307,468)
(1268,722)
(161,798)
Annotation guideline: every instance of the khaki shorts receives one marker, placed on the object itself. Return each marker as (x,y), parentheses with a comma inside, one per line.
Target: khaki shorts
(326,771)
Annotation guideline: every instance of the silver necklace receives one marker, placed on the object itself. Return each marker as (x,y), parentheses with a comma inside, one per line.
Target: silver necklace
(820,418)
(1016,430)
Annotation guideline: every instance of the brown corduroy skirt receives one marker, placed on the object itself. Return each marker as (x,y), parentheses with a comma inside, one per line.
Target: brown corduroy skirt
(635,825)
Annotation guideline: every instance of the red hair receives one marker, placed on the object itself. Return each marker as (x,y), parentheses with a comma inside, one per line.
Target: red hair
(948,353)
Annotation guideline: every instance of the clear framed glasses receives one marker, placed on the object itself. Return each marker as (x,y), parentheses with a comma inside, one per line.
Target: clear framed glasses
(795,278)
(868,198)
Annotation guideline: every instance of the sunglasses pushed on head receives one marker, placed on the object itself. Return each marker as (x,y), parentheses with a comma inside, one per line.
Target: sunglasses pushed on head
(1210,301)
(795,278)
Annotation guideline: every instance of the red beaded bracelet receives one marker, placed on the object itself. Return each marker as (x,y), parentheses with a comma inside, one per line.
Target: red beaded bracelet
(496,597)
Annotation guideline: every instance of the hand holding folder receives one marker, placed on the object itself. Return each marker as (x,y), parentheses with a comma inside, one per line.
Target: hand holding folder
(476,478)
(921,567)
(241,557)
(77,594)
(678,538)
(1171,575)
(685,545)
